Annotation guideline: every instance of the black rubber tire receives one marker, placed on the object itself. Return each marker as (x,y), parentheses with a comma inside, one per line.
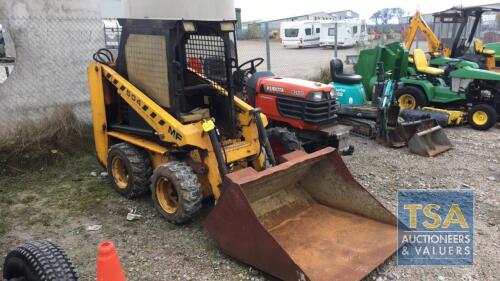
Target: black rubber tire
(39,261)
(415,92)
(490,112)
(187,187)
(138,166)
(283,141)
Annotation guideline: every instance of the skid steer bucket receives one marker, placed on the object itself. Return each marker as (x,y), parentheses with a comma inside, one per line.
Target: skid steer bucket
(430,142)
(425,137)
(305,219)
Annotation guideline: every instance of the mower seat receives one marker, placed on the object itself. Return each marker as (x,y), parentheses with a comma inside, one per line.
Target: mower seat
(423,65)
(338,75)
(480,50)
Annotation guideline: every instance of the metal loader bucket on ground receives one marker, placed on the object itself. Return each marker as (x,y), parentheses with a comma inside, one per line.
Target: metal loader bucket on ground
(425,137)
(305,219)
(430,142)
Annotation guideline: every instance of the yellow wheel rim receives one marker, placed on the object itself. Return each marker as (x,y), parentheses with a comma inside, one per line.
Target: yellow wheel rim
(480,118)
(119,172)
(166,195)
(407,101)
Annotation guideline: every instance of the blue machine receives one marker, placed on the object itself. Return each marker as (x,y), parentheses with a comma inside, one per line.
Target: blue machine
(350,91)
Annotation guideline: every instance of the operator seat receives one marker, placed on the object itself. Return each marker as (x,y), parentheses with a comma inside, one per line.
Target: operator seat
(422,64)
(338,75)
(481,50)
(251,85)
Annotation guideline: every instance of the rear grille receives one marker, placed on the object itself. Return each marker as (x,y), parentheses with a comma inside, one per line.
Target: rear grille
(207,54)
(308,111)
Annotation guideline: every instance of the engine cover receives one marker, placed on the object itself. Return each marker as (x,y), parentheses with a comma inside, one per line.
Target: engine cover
(285,100)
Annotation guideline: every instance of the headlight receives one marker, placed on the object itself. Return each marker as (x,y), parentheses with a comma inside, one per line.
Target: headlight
(333,93)
(315,96)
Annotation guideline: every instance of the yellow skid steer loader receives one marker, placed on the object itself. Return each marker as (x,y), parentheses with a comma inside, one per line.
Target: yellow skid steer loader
(167,119)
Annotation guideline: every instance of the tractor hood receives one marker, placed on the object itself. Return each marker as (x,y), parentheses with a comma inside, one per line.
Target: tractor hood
(292,87)
(473,73)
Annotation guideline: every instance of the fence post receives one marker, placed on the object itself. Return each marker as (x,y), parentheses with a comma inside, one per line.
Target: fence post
(336,40)
(268,47)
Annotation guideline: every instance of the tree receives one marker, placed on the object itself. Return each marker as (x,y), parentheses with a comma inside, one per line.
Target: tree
(385,15)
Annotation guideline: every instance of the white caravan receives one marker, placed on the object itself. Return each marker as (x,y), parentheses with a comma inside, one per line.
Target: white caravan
(351,32)
(300,34)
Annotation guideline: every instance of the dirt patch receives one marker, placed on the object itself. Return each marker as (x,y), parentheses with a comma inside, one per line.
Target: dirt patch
(62,201)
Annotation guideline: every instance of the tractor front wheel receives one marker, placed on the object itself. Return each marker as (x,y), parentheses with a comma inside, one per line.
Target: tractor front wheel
(410,97)
(177,193)
(283,141)
(482,117)
(129,168)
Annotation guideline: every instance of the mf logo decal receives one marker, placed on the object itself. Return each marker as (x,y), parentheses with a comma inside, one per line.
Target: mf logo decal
(174,133)
(435,227)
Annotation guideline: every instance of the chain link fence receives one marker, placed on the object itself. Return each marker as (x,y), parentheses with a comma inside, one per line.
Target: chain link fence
(261,41)
(51,57)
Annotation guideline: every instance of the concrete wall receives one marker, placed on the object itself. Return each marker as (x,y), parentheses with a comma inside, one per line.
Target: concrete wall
(112,9)
(50,8)
(54,41)
(192,9)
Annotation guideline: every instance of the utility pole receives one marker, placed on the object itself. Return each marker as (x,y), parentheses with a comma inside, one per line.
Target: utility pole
(268,47)
(336,40)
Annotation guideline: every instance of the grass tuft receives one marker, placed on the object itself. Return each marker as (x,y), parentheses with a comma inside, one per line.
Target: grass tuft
(33,144)
(323,76)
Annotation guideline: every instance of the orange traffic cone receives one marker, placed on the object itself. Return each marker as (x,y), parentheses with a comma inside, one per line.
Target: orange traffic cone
(108,263)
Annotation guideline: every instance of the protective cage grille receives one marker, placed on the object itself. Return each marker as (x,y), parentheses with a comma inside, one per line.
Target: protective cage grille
(205,54)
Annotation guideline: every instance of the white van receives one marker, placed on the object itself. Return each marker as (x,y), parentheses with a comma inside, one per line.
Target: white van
(351,32)
(300,34)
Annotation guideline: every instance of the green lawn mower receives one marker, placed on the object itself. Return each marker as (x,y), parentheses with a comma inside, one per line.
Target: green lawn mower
(474,91)
(379,119)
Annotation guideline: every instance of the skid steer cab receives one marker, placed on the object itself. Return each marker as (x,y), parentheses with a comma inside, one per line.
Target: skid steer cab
(308,109)
(166,120)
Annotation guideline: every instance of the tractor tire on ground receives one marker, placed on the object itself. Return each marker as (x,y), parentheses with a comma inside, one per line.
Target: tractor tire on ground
(482,117)
(283,141)
(177,193)
(39,261)
(410,97)
(129,168)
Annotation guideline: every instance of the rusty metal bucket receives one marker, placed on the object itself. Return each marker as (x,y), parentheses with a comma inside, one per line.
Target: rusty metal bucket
(430,142)
(425,137)
(305,219)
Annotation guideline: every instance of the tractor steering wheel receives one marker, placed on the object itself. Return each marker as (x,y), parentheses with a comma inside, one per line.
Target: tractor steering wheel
(254,63)
(242,74)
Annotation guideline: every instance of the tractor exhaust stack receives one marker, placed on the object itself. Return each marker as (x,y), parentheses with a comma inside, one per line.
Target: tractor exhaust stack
(305,219)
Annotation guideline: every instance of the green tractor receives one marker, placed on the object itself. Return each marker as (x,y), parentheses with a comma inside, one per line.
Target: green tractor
(457,29)
(468,89)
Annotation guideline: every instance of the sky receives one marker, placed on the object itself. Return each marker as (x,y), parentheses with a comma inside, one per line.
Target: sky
(275,9)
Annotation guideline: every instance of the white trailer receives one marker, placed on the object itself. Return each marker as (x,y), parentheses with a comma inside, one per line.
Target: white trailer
(300,34)
(351,32)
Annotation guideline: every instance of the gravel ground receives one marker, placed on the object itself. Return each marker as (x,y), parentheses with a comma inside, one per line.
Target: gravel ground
(62,202)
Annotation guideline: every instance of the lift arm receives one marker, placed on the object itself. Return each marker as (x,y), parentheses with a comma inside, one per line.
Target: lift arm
(417,22)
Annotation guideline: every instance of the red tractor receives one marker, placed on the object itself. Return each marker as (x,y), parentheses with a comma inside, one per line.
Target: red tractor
(294,106)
